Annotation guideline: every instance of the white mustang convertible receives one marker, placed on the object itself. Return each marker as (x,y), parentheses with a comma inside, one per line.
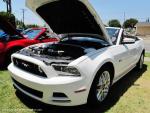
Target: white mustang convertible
(83,65)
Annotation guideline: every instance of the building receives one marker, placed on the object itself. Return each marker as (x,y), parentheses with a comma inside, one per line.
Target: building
(143,28)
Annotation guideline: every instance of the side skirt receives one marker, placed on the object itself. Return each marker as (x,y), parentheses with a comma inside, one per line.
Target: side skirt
(119,77)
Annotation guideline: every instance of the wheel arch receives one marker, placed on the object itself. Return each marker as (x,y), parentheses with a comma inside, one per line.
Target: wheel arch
(110,65)
(106,64)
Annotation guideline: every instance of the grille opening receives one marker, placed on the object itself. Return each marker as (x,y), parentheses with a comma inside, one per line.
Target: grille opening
(60,95)
(29,67)
(62,101)
(27,89)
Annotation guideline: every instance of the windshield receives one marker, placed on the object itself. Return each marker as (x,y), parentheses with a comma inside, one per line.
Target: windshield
(84,41)
(113,33)
(31,33)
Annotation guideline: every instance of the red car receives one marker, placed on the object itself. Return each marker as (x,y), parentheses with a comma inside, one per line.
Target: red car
(13,41)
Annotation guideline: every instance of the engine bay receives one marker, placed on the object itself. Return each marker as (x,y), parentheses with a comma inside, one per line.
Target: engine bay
(69,48)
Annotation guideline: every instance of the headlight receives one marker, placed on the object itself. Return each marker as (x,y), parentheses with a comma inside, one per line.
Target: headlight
(67,70)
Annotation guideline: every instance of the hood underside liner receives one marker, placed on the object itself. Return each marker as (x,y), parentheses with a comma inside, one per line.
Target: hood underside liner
(69,16)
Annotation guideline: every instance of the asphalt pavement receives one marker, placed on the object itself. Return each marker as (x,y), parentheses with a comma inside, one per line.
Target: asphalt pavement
(147,45)
(147,59)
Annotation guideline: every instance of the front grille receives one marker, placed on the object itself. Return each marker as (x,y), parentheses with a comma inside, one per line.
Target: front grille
(29,67)
(29,90)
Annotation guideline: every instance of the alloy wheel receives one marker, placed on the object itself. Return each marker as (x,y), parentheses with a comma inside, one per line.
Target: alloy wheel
(141,61)
(103,86)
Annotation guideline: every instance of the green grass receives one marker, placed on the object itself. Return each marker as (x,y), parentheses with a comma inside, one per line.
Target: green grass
(147,54)
(129,95)
(8,100)
(137,98)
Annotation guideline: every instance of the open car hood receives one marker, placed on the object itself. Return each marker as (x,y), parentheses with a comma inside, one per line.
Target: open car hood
(8,28)
(69,16)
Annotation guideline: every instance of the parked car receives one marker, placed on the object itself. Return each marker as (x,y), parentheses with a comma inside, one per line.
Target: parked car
(12,40)
(2,33)
(20,30)
(80,68)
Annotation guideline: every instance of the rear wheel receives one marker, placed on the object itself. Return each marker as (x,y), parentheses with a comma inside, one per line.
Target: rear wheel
(141,62)
(100,87)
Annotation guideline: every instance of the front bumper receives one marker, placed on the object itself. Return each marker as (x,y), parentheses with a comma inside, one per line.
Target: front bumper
(74,88)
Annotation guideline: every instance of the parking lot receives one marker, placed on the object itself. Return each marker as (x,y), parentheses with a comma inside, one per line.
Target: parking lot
(147,45)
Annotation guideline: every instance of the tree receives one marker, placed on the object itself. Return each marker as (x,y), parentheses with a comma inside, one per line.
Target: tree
(31,26)
(9,17)
(147,20)
(8,5)
(19,24)
(130,23)
(114,23)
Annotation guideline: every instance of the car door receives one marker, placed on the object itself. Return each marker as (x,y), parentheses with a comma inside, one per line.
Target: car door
(121,53)
(133,50)
(121,57)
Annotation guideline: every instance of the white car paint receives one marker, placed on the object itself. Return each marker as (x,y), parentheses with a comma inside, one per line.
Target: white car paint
(124,58)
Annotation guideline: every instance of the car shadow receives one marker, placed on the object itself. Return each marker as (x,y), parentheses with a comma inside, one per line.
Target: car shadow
(116,92)
(2,68)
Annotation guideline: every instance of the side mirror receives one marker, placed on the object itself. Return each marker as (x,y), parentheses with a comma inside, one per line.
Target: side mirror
(128,41)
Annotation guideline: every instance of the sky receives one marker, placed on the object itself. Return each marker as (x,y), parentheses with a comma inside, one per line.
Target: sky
(107,9)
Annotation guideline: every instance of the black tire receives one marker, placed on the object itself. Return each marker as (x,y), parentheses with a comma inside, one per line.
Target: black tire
(92,98)
(140,62)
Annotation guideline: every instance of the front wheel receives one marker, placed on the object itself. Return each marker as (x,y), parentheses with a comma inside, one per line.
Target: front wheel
(100,87)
